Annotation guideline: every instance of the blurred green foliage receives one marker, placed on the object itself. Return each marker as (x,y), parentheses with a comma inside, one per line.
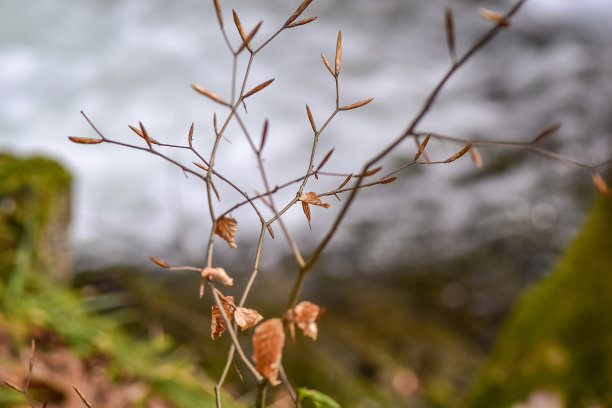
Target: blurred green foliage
(33,304)
(557,341)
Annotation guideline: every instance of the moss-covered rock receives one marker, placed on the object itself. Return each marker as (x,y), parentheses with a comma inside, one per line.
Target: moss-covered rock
(557,343)
(34,219)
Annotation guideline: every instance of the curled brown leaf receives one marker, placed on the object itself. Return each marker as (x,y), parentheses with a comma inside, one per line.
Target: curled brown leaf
(306,209)
(218,274)
(226,229)
(313,198)
(268,343)
(305,315)
(246,318)
(217,324)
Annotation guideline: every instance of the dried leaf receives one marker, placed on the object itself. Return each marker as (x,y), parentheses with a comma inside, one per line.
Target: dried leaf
(218,10)
(325,159)
(326,62)
(239,26)
(421,147)
(346,180)
(218,274)
(306,210)
(268,343)
(82,397)
(247,41)
(305,315)
(258,88)
(302,22)
(458,154)
(203,167)
(159,262)
(338,53)
(217,324)
(190,136)
(246,318)
(313,198)
(356,104)
(13,386)
(388,180)
(495,17)
(546,132)
(310,119)
(270,231)
(143,135)
(476,157)
(600,183)
(450,33)
(209,94)
(226,229)
(372,172)
(84,140)
(297,13)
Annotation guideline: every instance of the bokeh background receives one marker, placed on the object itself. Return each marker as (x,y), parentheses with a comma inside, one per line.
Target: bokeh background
(449,248)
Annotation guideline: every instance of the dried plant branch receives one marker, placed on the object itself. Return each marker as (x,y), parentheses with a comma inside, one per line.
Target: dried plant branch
(429,101)
(258,377)
(370,174)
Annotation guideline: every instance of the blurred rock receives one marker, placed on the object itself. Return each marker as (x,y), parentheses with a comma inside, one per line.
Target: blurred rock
(34,219)
(558,336)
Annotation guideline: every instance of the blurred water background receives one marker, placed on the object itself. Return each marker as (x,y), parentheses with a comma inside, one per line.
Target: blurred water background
(128,61)
(424,270)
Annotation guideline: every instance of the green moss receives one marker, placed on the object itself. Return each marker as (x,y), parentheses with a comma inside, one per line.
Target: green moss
(34,217)
(559,335)
(34,204)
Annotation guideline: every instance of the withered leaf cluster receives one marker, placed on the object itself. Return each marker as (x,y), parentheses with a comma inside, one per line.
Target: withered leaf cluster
(244,317)
(311,198)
